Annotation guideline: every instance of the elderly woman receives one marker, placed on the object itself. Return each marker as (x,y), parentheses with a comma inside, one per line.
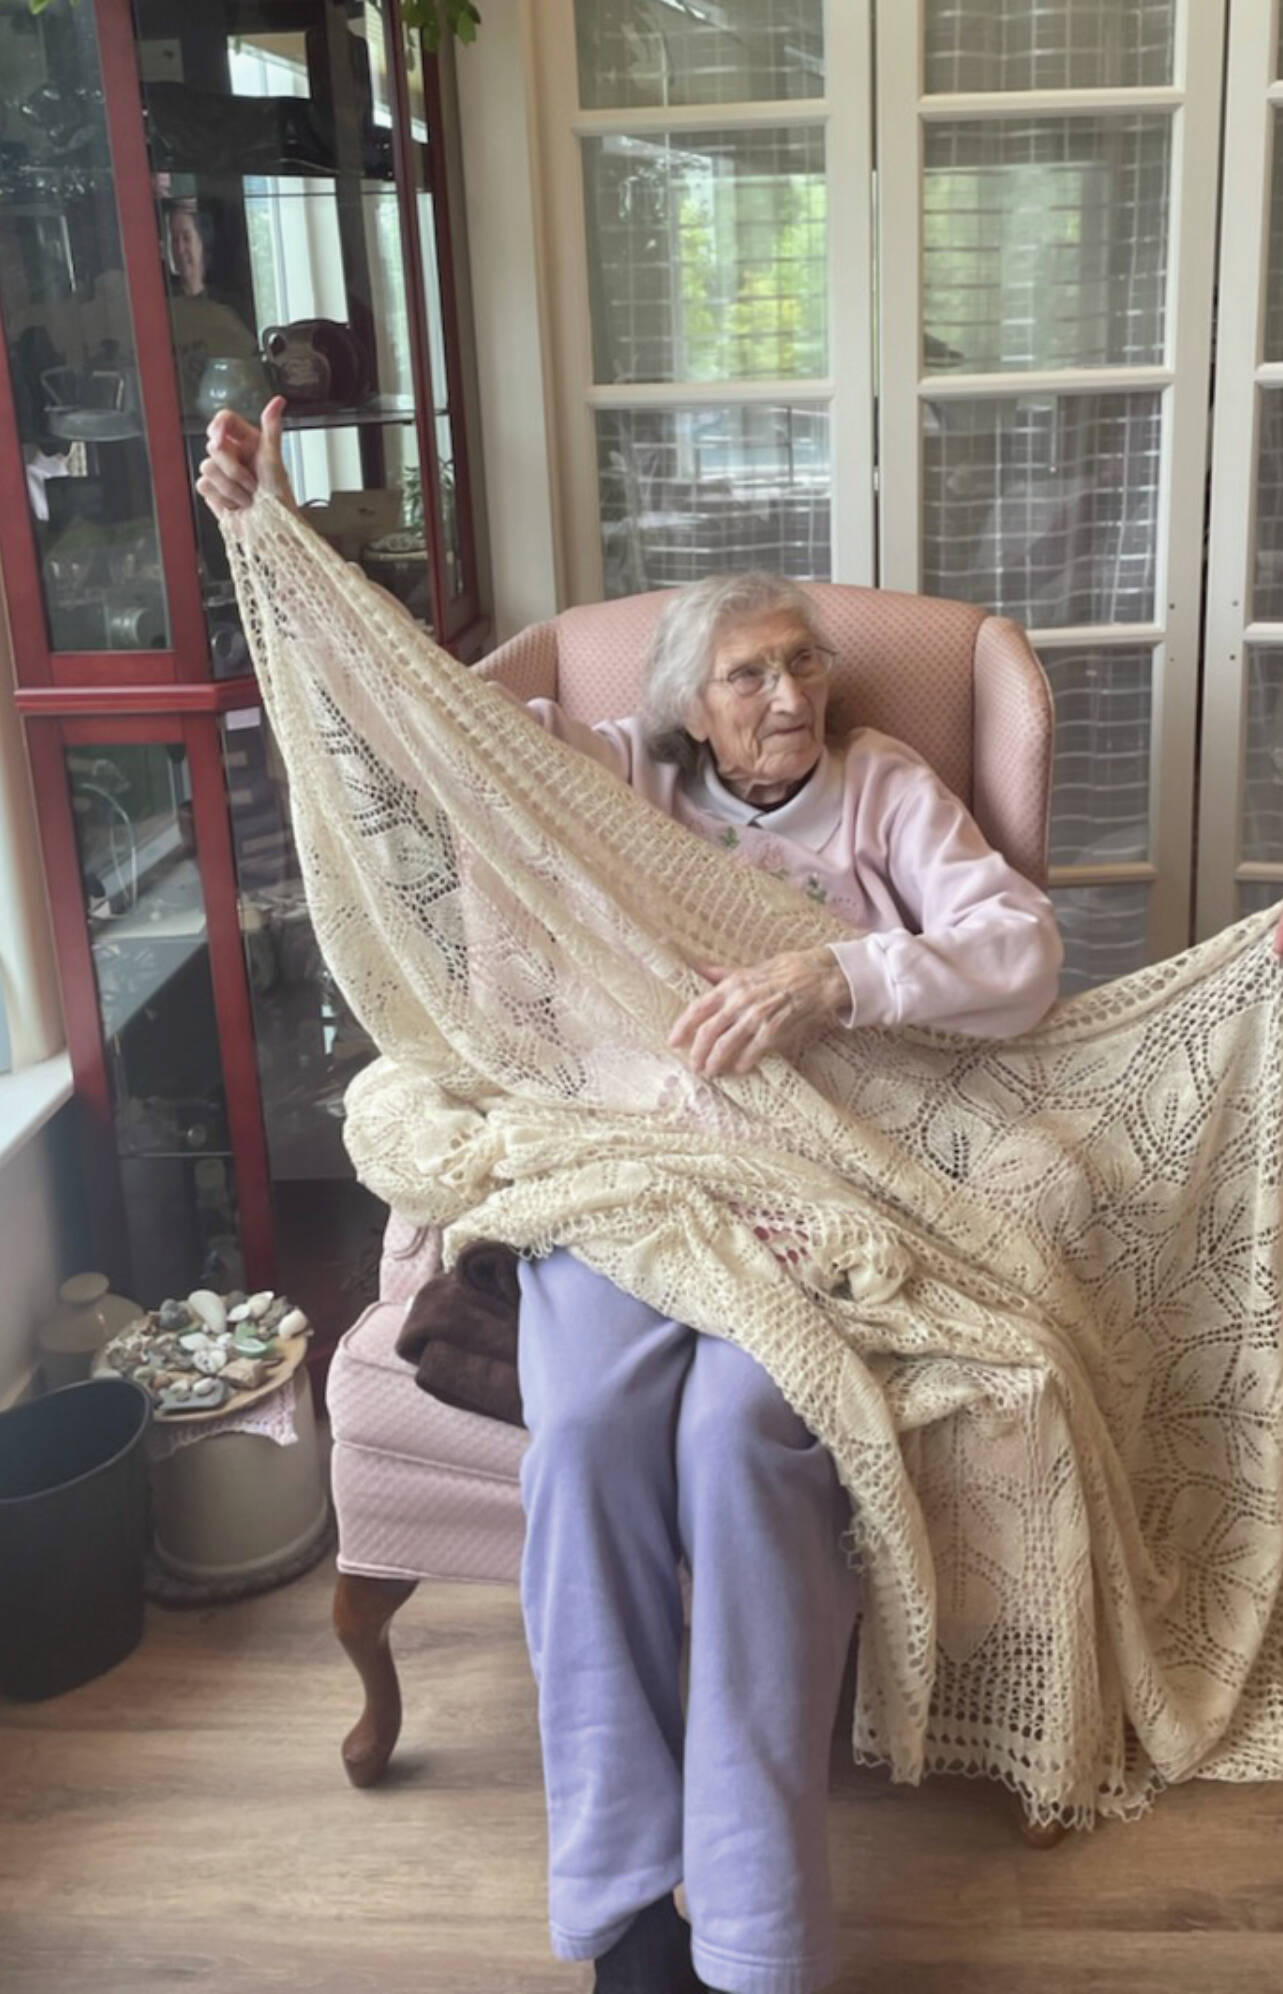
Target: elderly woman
(651,1443)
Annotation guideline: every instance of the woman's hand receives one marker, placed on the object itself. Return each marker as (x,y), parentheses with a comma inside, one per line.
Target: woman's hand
(777,1006)
(244,461)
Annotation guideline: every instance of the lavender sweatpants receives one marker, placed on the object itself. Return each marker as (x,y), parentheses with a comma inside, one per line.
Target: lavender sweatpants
(650,1441)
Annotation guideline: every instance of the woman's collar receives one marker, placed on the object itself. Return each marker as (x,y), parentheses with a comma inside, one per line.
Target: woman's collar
(811,815)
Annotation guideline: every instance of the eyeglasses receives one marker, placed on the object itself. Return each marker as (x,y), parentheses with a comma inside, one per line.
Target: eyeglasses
(758,677)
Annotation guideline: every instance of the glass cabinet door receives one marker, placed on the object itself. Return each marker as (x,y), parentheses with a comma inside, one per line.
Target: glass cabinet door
(326,1228)
(271,149)
(145,909)
(70,340)
(425,152)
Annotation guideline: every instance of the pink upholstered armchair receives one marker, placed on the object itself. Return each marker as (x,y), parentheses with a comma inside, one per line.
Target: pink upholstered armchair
(425,1492)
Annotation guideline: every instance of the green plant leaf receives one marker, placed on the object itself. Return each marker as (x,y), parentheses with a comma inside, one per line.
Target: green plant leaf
(464,19)
(422,14)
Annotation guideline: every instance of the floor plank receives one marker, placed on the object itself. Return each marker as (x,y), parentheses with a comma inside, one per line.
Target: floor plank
(184,1822)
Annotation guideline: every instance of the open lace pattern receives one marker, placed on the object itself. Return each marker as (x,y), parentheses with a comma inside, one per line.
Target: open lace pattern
(1027,1293)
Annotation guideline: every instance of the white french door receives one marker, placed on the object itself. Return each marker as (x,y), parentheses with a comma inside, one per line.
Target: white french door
(1047,209)
(1046,181)
(1240,841)
(707,274)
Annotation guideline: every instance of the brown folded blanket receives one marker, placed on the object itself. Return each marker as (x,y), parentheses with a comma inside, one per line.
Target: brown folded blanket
(460,1333)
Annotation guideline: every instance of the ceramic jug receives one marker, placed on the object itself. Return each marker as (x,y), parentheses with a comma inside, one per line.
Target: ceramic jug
(88,1318)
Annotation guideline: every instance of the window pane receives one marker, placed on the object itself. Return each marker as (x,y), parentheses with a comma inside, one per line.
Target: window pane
(1262,826)
(1048,44)
(1105,931)
(1274,254)
(707,255)
(1045,245)
(1100,786)
(1267,587)
(1255,895)
(145,908)
(71,340)
(655,52)
(1044,507)
(691,492)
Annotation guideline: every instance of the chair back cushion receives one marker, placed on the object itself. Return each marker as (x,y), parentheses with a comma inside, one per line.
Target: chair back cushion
(904,665)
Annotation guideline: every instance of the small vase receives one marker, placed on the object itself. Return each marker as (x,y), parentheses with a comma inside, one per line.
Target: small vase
(74,1334)
(241,385)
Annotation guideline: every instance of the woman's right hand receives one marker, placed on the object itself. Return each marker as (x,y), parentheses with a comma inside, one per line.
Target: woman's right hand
(243,461)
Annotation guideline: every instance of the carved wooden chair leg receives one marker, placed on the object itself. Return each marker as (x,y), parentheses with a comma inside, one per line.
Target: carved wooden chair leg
(363,1610)
(1039,1835)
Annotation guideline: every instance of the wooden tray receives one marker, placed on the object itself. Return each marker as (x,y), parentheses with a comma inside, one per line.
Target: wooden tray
(293,1349)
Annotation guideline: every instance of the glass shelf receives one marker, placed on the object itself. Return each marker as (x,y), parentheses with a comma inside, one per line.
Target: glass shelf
(327,418)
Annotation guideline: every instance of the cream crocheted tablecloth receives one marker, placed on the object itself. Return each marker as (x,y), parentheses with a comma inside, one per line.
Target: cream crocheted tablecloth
(1026,1293)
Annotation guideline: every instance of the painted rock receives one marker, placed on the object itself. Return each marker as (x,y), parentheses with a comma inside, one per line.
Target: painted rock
(292,1324)
(259,1304)
(173,1315)
(211,1361)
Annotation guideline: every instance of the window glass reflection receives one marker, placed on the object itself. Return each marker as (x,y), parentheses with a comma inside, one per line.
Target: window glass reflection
(691,492)
(277,208)
(70,339)
(145,908)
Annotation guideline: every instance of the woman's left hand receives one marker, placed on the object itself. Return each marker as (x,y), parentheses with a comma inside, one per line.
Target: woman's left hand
(776,1006)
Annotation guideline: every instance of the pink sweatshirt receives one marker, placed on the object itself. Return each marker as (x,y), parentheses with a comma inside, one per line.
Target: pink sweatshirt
(944,932)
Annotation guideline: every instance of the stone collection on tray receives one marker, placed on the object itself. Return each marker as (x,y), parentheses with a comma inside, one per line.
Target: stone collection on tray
(192,1356)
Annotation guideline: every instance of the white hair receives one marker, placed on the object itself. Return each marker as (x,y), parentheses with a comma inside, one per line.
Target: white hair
(684,643)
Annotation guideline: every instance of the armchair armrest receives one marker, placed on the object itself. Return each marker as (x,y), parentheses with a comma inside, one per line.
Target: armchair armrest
(1013,723)
(526,664)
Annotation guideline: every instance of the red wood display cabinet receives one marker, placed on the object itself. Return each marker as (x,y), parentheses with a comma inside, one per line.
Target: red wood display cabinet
(200,206)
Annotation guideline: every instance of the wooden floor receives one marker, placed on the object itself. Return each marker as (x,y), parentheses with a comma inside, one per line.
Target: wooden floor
(184,1823)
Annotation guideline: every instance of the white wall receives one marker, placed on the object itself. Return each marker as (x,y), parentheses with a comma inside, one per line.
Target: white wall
(31,1252)
(27,973)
